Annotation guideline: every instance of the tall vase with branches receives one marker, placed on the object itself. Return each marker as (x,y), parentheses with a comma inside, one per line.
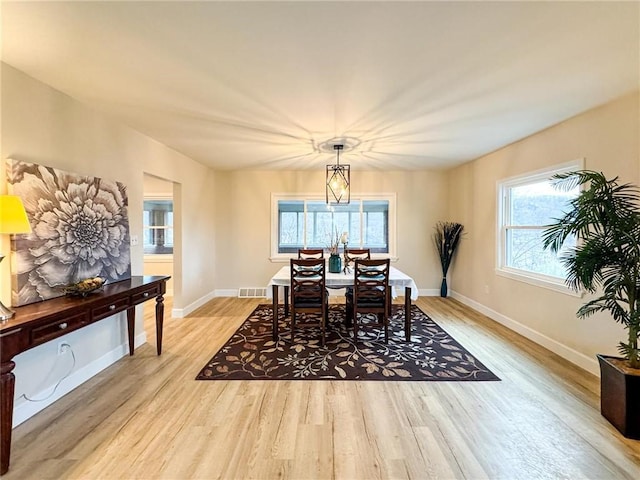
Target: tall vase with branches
(446,238)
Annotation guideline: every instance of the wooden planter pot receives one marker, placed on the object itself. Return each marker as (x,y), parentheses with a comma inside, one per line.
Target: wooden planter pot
(620,396)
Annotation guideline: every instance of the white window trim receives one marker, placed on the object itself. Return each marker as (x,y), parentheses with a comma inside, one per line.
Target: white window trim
(158,258)
(501,269)
(155,257)
(284,257)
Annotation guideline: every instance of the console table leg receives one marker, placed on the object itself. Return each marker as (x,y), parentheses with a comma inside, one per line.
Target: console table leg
(7,387)
(131,327)
(159,322)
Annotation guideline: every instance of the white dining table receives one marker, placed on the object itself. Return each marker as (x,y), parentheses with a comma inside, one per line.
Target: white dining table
(397,279)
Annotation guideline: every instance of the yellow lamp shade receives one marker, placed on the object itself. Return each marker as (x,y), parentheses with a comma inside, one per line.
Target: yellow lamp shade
(13,217)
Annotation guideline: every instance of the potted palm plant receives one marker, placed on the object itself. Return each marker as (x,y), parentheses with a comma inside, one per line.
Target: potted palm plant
(605,217)
(445,239)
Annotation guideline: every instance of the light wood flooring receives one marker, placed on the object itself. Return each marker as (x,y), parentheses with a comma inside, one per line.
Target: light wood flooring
(146,417)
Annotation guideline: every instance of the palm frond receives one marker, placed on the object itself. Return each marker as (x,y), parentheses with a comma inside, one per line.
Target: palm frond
(605,216)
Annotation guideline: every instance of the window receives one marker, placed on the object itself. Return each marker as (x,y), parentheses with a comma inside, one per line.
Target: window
(158,226)
(309,223)
(527,204)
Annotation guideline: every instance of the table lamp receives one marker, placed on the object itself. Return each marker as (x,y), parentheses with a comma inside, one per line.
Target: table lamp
(13,219)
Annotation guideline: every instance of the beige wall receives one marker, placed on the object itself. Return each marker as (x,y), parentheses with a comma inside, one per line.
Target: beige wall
(155,186)
(44,126)
(50,128)
(223,228)
(244,216)
(607,138)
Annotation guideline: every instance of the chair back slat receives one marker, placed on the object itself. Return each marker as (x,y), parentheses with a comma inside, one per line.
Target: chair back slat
(359,253)
(371,280)
(370,295)
(308,293)
(307,253)
(307,279)
(352,254)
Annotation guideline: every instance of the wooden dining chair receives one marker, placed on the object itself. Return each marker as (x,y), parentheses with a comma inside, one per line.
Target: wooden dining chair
(308,294)
(307,253)
(371,294)
(350,256)
(363,254)
(359,253)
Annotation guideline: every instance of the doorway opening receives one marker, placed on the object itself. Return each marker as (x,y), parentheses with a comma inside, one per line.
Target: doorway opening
(159,237)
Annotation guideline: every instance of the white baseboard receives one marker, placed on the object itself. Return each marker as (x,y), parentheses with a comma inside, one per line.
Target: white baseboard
(568,353)
(183,312)
(429,292)
(220,292)
(228,292)
(139,340)
(28,409)
(233,292)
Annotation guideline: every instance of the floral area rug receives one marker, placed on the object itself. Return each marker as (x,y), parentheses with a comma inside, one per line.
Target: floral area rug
(432,354)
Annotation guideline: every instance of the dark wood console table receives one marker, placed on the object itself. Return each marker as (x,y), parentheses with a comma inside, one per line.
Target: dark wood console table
(41,322)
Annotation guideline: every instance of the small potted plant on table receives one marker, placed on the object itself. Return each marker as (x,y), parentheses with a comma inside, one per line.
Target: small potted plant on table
(335,262)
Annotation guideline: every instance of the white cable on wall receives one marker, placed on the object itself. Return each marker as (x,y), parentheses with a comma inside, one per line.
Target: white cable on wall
(59,381)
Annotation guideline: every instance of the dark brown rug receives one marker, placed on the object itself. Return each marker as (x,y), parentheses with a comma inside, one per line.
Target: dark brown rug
(432,354)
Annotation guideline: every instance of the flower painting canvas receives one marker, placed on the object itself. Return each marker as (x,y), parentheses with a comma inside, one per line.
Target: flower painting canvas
(80,230)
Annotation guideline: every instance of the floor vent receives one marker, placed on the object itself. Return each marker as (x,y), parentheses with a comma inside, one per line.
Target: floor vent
(252,292)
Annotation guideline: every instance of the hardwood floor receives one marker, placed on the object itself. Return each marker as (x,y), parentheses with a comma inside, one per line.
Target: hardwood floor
(146,417)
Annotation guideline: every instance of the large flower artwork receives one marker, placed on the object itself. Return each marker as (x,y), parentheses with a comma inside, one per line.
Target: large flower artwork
(80,229)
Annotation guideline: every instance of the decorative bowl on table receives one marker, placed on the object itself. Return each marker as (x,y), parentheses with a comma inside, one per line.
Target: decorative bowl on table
(84,287)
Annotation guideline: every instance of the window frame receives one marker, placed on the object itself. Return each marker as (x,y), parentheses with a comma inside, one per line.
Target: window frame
(157,257)
(503,187)
(284,257)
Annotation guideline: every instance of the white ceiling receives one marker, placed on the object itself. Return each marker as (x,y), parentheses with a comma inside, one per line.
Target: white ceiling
(263,84)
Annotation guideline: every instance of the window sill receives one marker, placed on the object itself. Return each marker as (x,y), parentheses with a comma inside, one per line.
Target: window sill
(166,258)
(285,258)
(538,281)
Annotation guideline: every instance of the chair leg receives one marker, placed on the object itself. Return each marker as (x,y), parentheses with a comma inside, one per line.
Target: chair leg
(293,323)
(381,317)
(354,320)
(386,327)
(323,323)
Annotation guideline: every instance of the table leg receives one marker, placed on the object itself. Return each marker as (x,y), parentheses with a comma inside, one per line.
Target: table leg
(275,312)
(7,388)
(407,313)
(131,327)
(286,300)
(159,322)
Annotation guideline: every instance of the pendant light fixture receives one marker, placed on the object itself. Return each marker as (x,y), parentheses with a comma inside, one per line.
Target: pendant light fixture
(338,181)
